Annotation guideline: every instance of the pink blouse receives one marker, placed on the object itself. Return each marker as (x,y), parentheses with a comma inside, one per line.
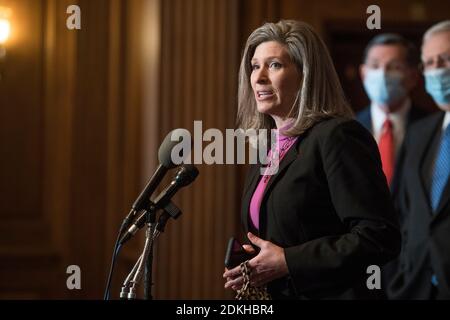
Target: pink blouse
(285,143)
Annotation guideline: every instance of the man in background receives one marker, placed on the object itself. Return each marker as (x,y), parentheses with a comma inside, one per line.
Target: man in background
(389,73)
(424,197)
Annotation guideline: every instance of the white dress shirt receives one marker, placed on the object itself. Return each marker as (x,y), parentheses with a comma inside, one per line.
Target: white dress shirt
(398,119)
(446,120)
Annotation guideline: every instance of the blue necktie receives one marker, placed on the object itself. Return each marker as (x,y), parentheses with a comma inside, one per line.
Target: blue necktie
(441,169)
(440,176)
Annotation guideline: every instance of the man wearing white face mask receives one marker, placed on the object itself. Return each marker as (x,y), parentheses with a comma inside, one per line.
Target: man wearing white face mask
(389,72)
(424,271)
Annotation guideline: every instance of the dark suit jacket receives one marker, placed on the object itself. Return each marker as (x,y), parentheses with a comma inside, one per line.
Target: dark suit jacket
(415,113)
(426,236)
(329,206)
(365,118)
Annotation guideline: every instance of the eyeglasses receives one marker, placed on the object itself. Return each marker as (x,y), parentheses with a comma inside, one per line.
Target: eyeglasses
(439,61)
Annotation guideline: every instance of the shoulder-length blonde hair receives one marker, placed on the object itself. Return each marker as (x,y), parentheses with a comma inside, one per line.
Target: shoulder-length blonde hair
(320,95)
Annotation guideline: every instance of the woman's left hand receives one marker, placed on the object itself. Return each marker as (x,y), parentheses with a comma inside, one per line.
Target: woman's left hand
(268,265)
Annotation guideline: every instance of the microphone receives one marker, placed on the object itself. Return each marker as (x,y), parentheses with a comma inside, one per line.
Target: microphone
(143,201)
(165,164)
(185,175)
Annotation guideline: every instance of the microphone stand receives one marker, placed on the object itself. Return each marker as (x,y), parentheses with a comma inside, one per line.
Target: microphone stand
(169,211)
(145,260)
(129,285)
(126,283)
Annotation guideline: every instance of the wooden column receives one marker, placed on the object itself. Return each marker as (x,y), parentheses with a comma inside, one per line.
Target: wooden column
(199,64)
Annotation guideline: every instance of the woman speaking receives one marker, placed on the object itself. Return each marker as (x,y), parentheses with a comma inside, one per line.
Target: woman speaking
(326,215)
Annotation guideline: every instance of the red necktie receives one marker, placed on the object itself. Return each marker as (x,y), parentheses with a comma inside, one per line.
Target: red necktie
(386,146)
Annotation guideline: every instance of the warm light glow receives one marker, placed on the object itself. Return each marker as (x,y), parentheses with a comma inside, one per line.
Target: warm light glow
(5,30)
(5,26)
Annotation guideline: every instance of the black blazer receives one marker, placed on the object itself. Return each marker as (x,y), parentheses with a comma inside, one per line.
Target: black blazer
(415,113)
(426,236)
(329,206)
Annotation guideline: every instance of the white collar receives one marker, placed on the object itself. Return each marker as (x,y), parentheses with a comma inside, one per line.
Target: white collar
(446,120)
(379,114)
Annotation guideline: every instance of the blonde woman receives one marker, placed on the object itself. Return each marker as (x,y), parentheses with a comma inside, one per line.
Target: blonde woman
(326,215)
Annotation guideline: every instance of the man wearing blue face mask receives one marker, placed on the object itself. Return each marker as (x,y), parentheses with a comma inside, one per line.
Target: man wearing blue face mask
(389,72)
(424,271)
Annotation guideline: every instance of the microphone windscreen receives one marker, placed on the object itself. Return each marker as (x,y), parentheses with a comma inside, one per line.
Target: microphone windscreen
(186,174)
(165,149)
(192,171)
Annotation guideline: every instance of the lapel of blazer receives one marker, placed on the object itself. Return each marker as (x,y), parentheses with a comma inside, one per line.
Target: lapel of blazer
(413,115)
(443,203)
(249,189)
(289,157)
(424,153)
(365,118)
(254,179)
(446,192)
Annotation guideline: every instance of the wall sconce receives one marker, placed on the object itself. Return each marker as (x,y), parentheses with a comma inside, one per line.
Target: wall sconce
(5,31)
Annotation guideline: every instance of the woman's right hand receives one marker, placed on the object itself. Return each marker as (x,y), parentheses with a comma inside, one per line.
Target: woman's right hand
(233,276)
(268,265)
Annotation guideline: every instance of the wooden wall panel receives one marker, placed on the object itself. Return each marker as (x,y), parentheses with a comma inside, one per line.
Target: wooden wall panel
(85,231)
(134,127)
(317,13)
(29,259)
(71,126)
(253,13)
(199,73)
(21,115)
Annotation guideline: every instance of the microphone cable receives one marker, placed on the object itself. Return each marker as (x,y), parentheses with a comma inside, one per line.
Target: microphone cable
(117,247)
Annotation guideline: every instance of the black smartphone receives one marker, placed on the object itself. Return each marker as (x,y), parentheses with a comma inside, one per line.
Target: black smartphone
(236,254)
